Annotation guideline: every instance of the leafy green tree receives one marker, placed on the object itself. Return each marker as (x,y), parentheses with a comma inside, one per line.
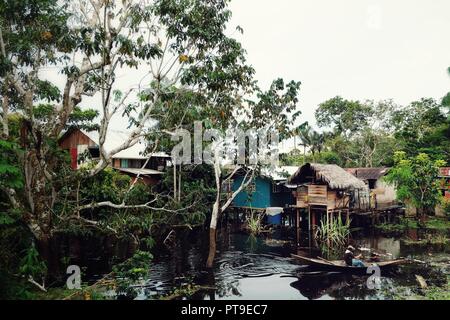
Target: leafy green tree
(363,133)
(295,158)
(421,127)
(182,46)
(417,181)
(343,116)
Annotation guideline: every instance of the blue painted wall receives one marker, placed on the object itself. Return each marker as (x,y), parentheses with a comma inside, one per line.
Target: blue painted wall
(263,196)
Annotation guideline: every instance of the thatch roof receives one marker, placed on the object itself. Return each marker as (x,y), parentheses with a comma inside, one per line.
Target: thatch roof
(334,176)
(368,173)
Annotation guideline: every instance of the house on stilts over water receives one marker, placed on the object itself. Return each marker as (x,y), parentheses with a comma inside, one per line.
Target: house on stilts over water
(326,191)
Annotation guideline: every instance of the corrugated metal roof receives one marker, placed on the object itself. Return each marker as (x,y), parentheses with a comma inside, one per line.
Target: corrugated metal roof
(143,172)
(368,173)
(115,138)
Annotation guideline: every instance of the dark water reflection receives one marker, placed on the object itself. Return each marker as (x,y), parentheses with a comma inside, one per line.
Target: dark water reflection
(257,268)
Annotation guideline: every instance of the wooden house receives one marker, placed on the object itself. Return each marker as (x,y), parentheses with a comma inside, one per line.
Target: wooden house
(327,189)
(382,195)
(267,190)
(83,147)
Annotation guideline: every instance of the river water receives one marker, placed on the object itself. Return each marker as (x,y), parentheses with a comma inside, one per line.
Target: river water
(256,268)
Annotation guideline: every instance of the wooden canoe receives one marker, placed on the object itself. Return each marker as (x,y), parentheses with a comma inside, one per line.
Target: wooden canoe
(339,265)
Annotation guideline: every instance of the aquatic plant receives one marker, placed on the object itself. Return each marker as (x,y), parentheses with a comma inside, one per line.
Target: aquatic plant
(333,232)
(254,222)
(397,228)
(429,239)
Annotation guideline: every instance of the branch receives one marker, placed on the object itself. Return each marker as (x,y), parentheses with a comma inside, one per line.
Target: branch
(243,185)
(39,286)
(126,206)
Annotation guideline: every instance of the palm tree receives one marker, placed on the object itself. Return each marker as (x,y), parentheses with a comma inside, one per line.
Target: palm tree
(305,138)
(317,140)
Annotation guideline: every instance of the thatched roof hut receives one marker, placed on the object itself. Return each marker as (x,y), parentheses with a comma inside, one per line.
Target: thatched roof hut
(332,175)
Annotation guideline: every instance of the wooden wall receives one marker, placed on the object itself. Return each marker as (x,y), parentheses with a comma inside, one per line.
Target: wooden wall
(74,139)
(319,195)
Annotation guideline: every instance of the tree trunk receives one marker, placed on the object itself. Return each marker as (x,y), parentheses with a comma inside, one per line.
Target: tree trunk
(212,248)
(212,235)
(174,181)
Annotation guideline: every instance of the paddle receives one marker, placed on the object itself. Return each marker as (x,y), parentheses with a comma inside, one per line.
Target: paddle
(328,261)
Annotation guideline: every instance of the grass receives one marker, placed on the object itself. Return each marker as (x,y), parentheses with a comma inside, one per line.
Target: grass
(333,233)
(437,293)
(438,224)
(254,223)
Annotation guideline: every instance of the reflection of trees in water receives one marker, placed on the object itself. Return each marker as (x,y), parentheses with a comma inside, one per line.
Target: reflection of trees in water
(219,286)
(335,285)
(227,288)
(252,242)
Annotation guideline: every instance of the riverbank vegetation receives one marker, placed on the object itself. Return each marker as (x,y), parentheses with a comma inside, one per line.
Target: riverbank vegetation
(193,70)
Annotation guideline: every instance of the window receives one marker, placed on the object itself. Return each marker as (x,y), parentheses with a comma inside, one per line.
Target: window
(95,152)
(124,163)
(135,163)
(276,188)
(251,188)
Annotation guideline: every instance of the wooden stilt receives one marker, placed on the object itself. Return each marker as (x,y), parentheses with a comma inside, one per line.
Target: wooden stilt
(313,214)
(309,218)
(298,227)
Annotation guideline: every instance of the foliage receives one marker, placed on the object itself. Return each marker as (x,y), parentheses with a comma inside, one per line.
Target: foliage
(366,134)
(429,239)
(398,228)
(417,180)
(10,173)
(197,193)
(437,224)
(333,232)
(361,131)
(184,291)
(130,272)
(343,116)
(423,127)
(438,293)
(294,158)
(32,265)
(254,223)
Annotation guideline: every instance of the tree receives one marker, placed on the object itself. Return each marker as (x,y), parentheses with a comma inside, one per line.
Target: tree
(417,181)
(343,116)
(274,109)
(368,140)
(317,142)
(305,137)
(420,127)
(180,44)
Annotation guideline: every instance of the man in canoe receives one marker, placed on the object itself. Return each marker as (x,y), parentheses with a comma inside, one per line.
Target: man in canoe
(351,260)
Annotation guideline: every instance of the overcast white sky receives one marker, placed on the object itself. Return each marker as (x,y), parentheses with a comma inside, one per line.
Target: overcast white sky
(359,49)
